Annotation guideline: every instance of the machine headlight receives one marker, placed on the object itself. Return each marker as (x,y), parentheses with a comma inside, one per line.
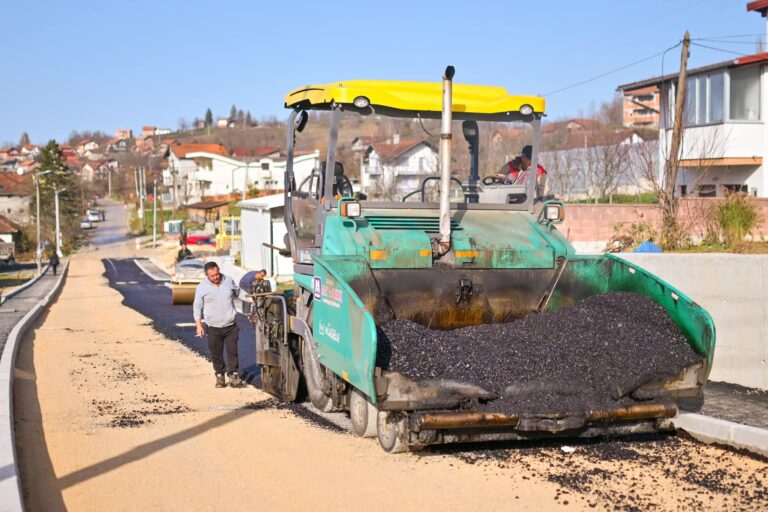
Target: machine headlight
(554,213)
(350,209)
(526,110)
(361,102)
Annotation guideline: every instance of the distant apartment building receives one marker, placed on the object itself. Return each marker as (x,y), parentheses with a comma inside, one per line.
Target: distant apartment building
(123,134)
(642,107)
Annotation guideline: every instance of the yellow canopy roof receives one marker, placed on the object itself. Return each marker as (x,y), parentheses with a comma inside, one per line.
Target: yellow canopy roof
(424,97)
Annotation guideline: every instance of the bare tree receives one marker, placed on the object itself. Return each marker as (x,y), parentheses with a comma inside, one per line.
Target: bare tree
(606,163)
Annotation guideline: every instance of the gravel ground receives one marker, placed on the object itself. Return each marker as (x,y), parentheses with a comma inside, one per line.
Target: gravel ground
(589,355)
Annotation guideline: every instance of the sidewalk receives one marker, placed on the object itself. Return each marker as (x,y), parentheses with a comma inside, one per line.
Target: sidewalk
(16,306)
(17,313)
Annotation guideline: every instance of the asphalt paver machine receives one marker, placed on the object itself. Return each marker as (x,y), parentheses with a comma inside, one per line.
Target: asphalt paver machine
(477,251)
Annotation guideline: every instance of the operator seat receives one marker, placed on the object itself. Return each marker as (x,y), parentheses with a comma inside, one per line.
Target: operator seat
(341,184)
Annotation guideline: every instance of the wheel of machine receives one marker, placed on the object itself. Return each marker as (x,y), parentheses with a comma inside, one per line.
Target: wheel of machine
(320,400)
(390,428)
(363,415)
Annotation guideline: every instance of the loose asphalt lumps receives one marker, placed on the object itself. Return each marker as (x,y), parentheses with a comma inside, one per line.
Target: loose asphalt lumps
(587,356)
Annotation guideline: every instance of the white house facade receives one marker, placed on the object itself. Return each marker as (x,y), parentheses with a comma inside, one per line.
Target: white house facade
(725,136)
(394,170)
(217,175)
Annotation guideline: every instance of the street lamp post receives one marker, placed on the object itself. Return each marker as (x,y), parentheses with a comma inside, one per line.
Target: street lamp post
(58,225)
(39,250)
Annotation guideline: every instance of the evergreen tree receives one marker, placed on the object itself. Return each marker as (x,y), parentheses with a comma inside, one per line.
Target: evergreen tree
(60,177)
(24,140)
(232,113)
(248,119)
(240,118)
(208,118)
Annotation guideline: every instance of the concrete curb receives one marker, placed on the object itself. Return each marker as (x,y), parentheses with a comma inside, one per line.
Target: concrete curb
(10,486)
(713,430)
(146,270)
(24,286)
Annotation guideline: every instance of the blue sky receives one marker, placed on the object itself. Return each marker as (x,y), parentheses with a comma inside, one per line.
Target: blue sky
(105,65)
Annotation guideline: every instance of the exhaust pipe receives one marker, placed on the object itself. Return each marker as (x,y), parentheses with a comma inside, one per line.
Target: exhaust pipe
(444,243)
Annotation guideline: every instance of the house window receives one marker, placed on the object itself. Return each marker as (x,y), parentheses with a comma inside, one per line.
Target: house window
(707,191)
(734,189)
(683,190)
(745,94)
(265,166)
(716,97)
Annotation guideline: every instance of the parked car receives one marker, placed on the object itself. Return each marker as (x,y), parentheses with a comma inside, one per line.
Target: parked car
(200,239)
(94,215)
(86,223)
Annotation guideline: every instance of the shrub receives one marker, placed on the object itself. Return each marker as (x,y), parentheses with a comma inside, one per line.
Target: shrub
(735,217)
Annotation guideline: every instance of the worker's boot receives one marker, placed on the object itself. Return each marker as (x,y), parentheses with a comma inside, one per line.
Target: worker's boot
(220,382)
(234,380)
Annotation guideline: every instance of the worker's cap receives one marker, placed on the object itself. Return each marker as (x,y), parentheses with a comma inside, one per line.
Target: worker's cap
(528,152)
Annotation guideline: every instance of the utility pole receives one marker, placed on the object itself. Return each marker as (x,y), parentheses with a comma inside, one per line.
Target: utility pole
(136,181)
(39,250)
(109,183)
(154,213)
(669,204)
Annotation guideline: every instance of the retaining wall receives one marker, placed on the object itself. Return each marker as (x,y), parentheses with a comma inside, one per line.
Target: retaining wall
(734,289)
(594,223)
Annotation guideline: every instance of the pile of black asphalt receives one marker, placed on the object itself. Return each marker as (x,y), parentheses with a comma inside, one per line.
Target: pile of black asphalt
(589,355)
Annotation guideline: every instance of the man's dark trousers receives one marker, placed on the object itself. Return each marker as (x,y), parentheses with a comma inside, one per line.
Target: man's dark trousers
(220,338)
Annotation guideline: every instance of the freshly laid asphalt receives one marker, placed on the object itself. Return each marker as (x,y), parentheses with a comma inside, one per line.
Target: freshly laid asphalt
(153,299)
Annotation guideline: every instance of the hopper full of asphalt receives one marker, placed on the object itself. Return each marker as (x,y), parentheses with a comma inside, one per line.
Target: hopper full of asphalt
(586,356)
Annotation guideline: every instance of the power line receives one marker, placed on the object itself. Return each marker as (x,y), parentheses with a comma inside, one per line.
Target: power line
(719,49)
(735,36)
(602,75)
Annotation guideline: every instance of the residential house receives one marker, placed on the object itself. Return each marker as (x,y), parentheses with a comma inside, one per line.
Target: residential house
(725,135)
(117,145)
(94,171)
(30,150)
(10,232)
(123,134)
(144,144)
(397,168)
(176,175)
(15,193)
(220,175)
(86,145)
(641,107)
(28,165)
(67,150)
(162,131)
(598,163)
(258,152)
(224,122)
(148,131)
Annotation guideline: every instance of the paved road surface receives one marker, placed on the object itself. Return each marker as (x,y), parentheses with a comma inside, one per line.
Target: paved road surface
(153,299)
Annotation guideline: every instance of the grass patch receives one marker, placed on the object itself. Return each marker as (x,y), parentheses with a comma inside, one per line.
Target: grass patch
(645,198)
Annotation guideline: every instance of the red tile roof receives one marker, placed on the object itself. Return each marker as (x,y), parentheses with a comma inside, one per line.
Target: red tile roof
(12,184)
(255,152)
(8,226)
(389,152)
(181,150)
(584,124)
(760,6)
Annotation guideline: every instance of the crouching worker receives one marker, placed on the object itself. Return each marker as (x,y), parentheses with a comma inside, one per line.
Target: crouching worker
(214,303)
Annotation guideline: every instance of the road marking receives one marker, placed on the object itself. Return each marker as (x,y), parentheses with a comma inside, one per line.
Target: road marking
(185,324)
(113,265)
(126,282)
